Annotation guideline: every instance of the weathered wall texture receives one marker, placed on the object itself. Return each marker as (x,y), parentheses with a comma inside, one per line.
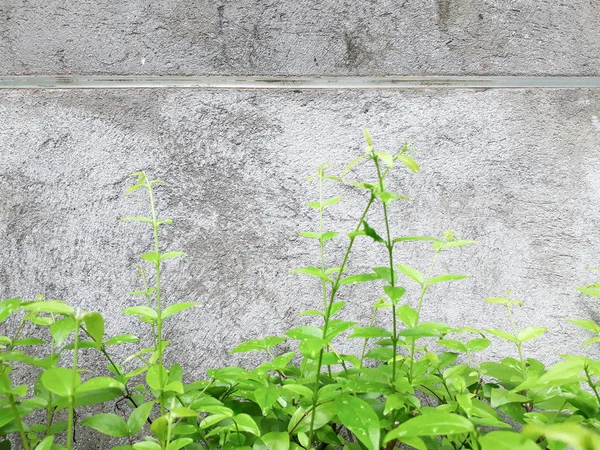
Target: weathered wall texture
(515,169)
(300,37)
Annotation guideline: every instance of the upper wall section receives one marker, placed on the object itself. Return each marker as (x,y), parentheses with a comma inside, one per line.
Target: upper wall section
(300,37)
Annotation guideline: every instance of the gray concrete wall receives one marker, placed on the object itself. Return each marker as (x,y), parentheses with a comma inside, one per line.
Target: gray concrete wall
(515,169)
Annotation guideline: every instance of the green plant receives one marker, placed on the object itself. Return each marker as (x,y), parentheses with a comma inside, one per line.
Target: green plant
(413,383)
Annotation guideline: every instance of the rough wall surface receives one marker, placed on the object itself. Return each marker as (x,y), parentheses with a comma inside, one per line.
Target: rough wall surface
(300,37)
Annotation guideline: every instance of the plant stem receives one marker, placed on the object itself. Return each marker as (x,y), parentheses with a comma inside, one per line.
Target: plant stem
(13,405)
(334,290)
(155,226)
(517,342)
(590,383)
(73,380)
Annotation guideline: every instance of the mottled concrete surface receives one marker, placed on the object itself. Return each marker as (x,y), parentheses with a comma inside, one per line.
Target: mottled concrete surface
(301,37)
(516,170)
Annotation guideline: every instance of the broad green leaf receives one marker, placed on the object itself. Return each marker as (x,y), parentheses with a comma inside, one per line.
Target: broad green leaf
(28,341)
(276,440)
(179,443)
(388,197)
(178,307)
(312,347)
(122,339)
(410,163)
(300,421)
(58,381)
(386,274)
(367,136)
(94,324)
(336,327)
(506,440)
(155,375)
(183,412)
(594,292)
(146,445)
(476,345)
(313,271)
(501,397)
(395,293)
(431,424)
(45,444)
(138,417)
(305,332)
(265,397)
(361,278)
(407,315)
(109,424)
(445,278)
(411,273)
(358,416)
(51,306)
(530,333)
(452,344)
(61,329)
(246,424)
(160,428)
(298,389)
(142,311)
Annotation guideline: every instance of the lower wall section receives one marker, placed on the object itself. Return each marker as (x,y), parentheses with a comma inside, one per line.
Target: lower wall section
(516,170)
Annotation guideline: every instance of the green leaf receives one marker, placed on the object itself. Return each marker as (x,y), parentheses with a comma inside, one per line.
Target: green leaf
(8,306)
(337,327)
(411,272)
(352,164)
(51,306)
(298,389)
(571,434)
(313,271)
(28,341)
(369,332)
(142,311)
(109,424)
(300,421)
(501,397)
(305,332)
(445,278)
(276,440)
(506,440)
(358,416)
(361,278)
(410,163)
(146,445)
(452,344)
(329,235)
(312,347)
(407,315)
(395,293)
(594,292)
(94,324)
(386,274)
(155,375)
(58,381)
(245,423)
(388,197)
(587,324)
(151,257)
(310,234)
(122,339)
(172,255)
(431,424)
(501,334)
(476,345)
(415,238)
(372,233)
(179,443)
(178,307)
(530,333)
(386,158)
(367,136)
(61,329)
(265,397)
(45,444)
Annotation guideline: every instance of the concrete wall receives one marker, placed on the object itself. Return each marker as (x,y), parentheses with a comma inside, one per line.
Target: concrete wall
(515,169)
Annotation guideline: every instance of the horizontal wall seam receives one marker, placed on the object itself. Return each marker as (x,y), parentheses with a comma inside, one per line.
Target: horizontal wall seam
(283,82)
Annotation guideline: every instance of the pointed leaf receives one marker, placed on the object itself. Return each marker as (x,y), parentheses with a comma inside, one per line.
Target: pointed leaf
(361,278)
(171,255)
(313,271)
(445,278)
(358,416)
(109,424)
(94,324)
(138,417)
(58,381)
(178,307)
(410,163)
(411,272)
(142,311)
(431,424)
(530,333)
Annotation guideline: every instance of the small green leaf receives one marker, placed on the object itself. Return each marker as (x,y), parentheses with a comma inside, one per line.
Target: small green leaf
(178,307)
(8,306)
(501,334)
(51,306)
(305,332)
(276,440)
(122,339)
(361,278)
(594,292)
(452,344)
(358,416)
(312,347)
(155,375)
(298,389)
(94,324)
(179,443)
(410,163)
(571,434)
(146,445)
(109,424)
(352,164)
(367,136)
(445,278)
(372,233)
(265,397)
(300,421)
(313,271)
(407,315)
(506,440)
(587,324)
(45,444)
(476,345)
(395,293)
(152,257)
(28,341)
(501,397)
(310,234)
(172,255)
(411,272)
(431,424)
(61,329)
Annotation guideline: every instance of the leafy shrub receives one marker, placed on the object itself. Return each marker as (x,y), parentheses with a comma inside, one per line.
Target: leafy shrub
(406,387)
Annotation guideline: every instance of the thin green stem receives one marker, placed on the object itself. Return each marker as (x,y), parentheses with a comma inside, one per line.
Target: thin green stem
(148,299)
(364,349)
(13,405)
(591,383)
(70,427)
(155,226)
(334,290)
(517,342)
